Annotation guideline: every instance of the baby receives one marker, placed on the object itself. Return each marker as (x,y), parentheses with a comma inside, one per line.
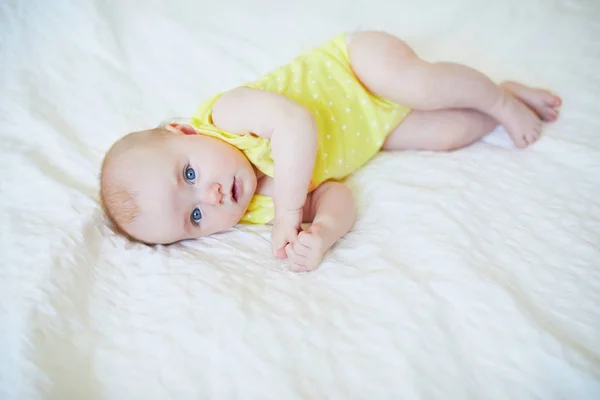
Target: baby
(275,150)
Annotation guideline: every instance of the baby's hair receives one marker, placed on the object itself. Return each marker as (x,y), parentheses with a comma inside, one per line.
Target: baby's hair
(118,201)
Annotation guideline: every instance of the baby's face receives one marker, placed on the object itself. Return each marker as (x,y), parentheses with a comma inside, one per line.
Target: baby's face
(187,187)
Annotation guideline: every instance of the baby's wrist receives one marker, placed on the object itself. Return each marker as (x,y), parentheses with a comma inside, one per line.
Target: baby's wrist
(289,217)
(287,210)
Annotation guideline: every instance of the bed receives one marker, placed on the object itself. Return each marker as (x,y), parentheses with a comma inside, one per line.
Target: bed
(469,275)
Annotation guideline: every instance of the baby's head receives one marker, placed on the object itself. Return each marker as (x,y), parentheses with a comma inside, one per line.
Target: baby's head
(168,184)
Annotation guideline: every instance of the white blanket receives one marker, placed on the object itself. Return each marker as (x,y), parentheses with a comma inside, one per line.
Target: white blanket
(474,274)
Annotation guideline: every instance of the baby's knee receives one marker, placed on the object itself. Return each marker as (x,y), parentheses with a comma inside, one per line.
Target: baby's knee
(370,42)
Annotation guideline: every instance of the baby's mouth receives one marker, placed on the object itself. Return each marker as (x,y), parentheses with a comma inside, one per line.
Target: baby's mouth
(235,190)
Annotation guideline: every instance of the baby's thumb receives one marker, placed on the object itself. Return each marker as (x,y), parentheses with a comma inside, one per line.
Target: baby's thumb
(280,253)
(278,245)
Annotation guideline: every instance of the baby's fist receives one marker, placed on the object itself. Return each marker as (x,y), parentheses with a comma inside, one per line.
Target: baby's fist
(285,231)
(306,253)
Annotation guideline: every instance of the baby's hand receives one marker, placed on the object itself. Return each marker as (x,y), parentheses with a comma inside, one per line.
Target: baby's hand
(306,253)
(285,231)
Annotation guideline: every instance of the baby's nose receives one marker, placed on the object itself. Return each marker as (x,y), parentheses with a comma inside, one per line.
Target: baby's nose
(213,194)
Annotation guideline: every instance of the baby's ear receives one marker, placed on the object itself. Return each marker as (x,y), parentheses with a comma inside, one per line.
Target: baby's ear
(183,128)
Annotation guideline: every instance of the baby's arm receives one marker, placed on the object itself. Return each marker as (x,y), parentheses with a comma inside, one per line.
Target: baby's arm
(293,134)
(331,210)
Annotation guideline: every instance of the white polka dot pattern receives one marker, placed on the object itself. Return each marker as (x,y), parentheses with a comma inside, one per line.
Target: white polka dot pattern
(352,122)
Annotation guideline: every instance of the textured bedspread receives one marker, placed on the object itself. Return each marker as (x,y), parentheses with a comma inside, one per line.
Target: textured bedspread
(469,275)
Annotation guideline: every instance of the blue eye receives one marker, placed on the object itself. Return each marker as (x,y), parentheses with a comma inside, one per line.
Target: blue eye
(190,174)
(196,215)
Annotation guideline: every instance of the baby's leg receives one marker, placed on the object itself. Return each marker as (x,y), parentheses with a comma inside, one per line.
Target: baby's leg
(451,129)
(390,68)
(439,130)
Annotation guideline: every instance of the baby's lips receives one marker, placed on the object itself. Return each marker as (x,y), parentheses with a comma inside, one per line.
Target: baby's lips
(183,128)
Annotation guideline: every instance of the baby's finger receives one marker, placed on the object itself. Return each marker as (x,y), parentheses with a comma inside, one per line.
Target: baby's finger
(306,239)
(291,235)
(312,241)
(300,249)
(280,253)
(295,262)
(298,268)
(278,247)
(278,243)
(290,253)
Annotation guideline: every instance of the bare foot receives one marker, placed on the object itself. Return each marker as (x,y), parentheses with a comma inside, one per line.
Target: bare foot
(523,125)
(545,104)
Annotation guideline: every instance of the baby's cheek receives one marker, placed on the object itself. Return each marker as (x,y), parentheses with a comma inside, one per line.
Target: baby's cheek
(231,218)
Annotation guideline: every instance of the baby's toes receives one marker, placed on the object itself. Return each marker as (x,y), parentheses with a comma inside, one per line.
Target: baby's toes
(552,107)
(548,98)
(520,141)
(534,135)
(554,101)
(532,139)
(551,114)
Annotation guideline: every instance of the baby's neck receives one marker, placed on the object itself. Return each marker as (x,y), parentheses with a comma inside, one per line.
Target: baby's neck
(264,184)
(259,174)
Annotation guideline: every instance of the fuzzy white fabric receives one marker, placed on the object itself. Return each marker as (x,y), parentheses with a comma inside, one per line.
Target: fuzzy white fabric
(473,274)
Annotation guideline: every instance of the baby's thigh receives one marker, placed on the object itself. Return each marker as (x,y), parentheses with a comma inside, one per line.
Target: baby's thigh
(376,57)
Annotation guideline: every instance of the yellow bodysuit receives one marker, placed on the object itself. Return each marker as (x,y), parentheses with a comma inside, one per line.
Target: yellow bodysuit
(352,122)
